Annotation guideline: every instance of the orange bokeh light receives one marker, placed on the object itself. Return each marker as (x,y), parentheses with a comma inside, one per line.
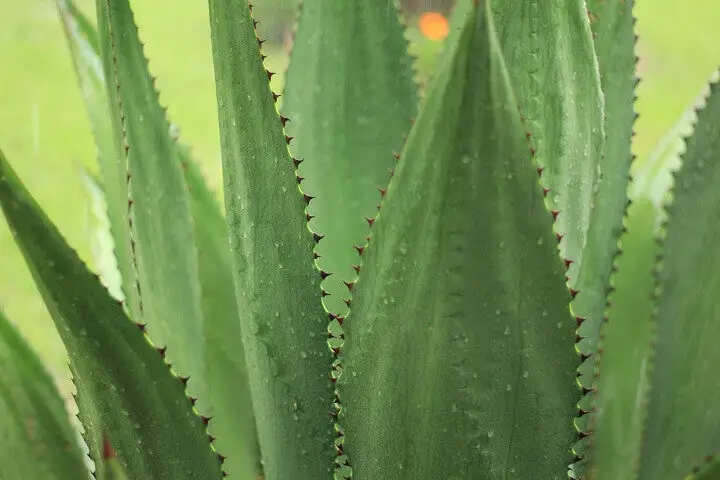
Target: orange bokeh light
(434,26)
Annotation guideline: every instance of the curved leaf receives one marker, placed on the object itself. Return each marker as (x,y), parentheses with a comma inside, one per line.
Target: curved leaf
(348,125)
(125,388)
(38,440)
(459,359)
(284,325)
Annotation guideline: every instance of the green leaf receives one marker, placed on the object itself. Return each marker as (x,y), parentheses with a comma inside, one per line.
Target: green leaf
(125,388)
(228,398)
(612,25)
(623,370)
(225,371)
(551,58)
(284,325)
(459,360)
(38,440)
(687,319)
(347,126)
(163,250)
(84,48)
(626,339)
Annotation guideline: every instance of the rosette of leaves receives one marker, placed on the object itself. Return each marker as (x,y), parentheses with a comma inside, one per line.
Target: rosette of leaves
(493,307)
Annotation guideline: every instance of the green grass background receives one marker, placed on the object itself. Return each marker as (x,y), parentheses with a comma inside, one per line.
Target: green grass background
(45,133)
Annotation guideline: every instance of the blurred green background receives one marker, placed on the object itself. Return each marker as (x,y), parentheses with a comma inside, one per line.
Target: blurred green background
(45,133)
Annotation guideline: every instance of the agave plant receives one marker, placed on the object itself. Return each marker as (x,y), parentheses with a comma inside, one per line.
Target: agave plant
(486,324)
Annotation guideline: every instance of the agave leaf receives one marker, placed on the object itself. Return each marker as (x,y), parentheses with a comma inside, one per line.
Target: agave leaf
(125,388)
(458,358)
(228,398)
(612,25)
(347,125)
(163,251)
(225,371)
(284,325)
(687,319)
(626,339)
(551,58)
(84,49)
(38,440)
(623,368)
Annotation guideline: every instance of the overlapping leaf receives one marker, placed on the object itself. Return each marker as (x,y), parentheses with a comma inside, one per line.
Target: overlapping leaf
(125,389)
(612,25)
(228,397)
(284,325)
(552,62)
(163,257)
(349,123)
(683,375)
(623,383)
(458,359)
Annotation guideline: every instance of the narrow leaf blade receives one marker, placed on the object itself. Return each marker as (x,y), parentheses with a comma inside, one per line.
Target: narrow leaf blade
(225,371)
(284,325)
(622,382)
(348,125)
(125,389)
(84,48)
(163,250)
(459,359)
(612,25)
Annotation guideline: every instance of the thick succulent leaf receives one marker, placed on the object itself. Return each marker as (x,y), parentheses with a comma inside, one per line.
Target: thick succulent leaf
(623,368)
(688,322)
(84,47)
(459,359)
(550,55)
(125,388)
(284,325)
(228,398)
(229,391)
(37,438)
(612,25)
(163,251)
(347,126)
